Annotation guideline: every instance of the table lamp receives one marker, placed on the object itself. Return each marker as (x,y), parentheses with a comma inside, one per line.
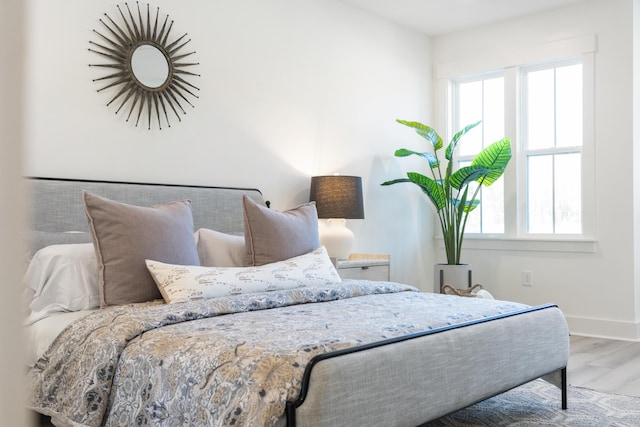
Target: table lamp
(337,198)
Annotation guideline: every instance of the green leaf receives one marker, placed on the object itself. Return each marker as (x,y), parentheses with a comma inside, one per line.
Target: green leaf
(469,205)
(467,174)
(396,181)
(495,157)
(426,132)
(430,187)
(429,157)
(451,148)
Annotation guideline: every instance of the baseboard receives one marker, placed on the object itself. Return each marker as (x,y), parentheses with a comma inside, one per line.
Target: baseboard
(602,328)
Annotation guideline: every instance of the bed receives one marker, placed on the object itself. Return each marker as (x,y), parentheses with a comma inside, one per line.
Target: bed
(278,340)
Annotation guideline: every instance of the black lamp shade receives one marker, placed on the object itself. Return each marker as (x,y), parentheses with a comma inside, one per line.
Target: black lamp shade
(337,196)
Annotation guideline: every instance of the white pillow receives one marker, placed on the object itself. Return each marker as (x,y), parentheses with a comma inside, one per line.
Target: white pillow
(62,278)
(178,283)
(216,249)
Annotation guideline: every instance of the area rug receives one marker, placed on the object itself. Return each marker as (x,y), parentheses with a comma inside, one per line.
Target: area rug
(538,404)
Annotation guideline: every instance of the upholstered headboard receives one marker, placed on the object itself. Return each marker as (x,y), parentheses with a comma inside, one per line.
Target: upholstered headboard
(56,210)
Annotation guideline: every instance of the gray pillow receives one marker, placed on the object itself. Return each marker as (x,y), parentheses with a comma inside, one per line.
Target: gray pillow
(125,235)
(272,236)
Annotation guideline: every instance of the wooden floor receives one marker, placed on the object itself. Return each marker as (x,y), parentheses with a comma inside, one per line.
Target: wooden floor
(605,365)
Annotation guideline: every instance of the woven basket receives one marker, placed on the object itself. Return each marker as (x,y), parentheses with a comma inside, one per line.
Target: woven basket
(450,290)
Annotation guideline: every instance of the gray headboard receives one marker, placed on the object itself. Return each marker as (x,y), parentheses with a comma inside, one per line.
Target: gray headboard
(55,205)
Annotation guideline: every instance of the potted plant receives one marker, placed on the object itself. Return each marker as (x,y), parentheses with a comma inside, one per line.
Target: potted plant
(451,193)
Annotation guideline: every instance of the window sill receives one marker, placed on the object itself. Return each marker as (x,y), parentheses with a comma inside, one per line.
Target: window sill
(538,244)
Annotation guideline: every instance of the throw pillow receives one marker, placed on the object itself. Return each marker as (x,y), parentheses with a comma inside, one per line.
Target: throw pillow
(216,249)
(272,236)
(125,235)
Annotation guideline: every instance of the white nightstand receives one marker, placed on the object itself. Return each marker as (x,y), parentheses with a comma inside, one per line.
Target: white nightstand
(364,266)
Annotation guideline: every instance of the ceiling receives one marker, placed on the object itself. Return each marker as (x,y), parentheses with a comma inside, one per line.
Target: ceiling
(437,17)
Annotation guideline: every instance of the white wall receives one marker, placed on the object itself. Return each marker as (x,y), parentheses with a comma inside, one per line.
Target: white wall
(597,291)
(289,89)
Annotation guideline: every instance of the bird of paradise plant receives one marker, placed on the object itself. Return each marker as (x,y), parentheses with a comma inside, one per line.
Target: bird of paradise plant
(453,207)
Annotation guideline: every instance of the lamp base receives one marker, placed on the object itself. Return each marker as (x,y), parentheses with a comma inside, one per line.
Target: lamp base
(337,238)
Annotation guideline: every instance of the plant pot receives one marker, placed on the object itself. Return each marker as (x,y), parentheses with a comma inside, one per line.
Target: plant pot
(458,276)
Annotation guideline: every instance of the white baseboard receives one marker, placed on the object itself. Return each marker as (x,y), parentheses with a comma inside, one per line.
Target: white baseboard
(602,328)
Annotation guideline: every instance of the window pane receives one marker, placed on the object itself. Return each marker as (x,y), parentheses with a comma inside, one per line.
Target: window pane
(540,194)
(569,106)
(540,109)
(493,118)
(554,194)
(568,191)
(489,216)
(475,217)
(473,222)
(493,207)
(469,111)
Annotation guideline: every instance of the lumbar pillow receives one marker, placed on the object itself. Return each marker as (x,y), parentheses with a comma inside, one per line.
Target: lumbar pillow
(217,249)
(179,283)
(62,278)
(272,236)
(125,235)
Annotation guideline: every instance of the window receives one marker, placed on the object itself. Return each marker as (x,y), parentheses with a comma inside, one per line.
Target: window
(543,108)
(482,98)
(552,146)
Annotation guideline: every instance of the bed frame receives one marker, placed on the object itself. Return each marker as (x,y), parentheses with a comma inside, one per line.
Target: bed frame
(405,381)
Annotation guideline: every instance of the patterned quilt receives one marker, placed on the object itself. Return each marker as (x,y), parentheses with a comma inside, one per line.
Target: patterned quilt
(223,361)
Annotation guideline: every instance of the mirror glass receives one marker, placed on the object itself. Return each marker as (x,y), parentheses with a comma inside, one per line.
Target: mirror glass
(149,66)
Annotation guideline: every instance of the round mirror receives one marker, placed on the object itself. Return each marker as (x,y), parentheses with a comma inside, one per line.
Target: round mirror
(147,69)
(149,66)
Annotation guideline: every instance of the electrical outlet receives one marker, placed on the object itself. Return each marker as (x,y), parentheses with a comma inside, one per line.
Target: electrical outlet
(527,278)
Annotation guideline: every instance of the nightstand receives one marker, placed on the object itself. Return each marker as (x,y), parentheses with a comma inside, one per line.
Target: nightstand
(364,267)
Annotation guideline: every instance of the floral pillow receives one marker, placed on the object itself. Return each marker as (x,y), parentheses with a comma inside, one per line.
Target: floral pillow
(179,283)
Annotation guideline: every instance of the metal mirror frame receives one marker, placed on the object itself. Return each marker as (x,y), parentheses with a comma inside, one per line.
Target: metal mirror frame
(122,41)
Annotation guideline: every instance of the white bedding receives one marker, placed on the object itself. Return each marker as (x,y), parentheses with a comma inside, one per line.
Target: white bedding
(40,335)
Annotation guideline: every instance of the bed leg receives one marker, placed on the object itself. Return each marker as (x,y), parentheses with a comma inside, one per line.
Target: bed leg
(291,414)
(563,374)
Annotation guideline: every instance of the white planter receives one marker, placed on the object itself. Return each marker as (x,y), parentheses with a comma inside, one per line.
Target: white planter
(458,276)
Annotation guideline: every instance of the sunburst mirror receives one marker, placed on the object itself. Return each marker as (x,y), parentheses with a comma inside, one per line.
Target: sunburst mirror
(149,71)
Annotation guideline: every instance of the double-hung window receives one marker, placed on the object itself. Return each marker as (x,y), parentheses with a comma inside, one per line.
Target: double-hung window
(551,141)
(546,108)
(482,98)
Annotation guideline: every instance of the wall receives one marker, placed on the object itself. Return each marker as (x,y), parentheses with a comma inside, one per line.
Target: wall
(288,89)
(597,291)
